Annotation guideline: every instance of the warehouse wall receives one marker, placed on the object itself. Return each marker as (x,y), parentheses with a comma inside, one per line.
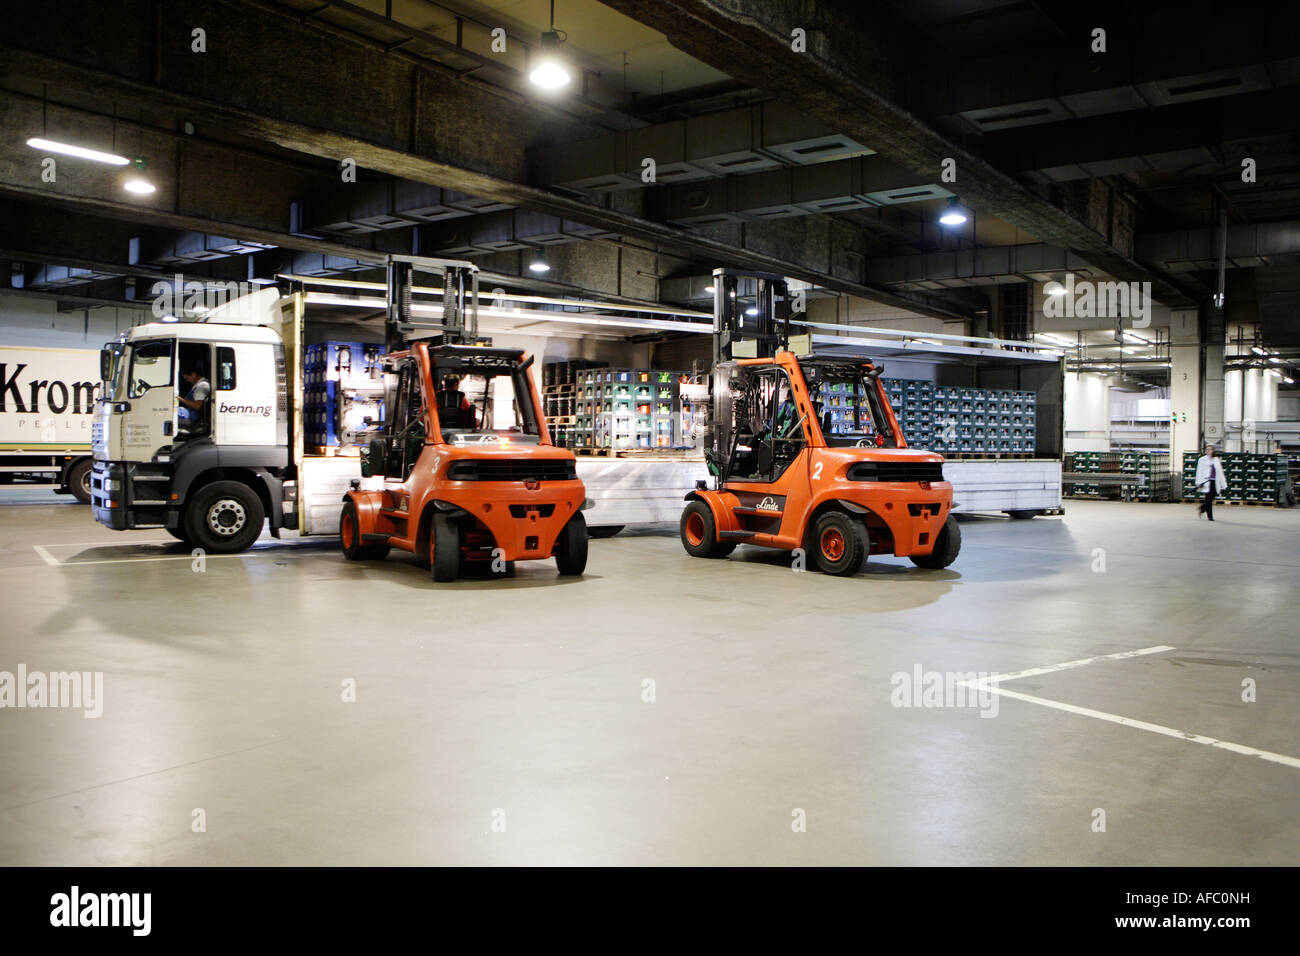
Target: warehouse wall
(1087,411)
(30,321)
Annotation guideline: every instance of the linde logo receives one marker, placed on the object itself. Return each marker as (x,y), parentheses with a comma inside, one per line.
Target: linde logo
(480,440)
(263,410)
(768,504)
(74,909)
(178,296)
(64,689)
(1098,300)
(57,398)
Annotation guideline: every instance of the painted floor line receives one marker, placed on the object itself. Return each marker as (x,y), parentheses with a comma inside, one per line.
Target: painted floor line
(1283,759)
(45,556)
(1053,668)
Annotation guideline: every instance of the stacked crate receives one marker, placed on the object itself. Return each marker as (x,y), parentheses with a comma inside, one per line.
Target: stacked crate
(1152,469)
(1092,462)
(629,408)
(343,384)
(561,387)
(1253,478)
(956,420)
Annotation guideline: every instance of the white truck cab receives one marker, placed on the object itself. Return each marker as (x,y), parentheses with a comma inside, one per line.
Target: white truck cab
(209,475)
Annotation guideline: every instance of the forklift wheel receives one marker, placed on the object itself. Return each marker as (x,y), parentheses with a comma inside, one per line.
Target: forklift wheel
(444,549)
(700,534)
(840,543)
(945,550)
(350,538)
(571,548)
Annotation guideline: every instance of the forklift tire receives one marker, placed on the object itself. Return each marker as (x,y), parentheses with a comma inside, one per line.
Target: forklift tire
(79,481)
(945,550)
(603,530)
(350,537)
(444,549)
(571,548)
(700,534)
(225,517)
(840,543)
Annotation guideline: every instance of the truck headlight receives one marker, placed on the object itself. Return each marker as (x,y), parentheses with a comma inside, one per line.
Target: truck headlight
(112,484)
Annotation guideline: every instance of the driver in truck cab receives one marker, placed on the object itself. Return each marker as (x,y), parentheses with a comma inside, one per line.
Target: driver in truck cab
(454,409)
(191,406)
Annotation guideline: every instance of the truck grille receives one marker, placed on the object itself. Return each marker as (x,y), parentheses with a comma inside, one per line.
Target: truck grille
(512,469)
(896,471)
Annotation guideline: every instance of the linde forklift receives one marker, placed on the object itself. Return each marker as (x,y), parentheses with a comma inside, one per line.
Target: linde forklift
(783,476)
(464,473)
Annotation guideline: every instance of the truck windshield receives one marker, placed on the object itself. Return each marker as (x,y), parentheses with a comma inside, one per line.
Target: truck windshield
(485,405)
(848,407)
(151,367)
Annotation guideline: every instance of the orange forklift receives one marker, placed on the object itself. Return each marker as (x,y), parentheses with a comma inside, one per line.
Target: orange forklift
(785,476)
(470,477)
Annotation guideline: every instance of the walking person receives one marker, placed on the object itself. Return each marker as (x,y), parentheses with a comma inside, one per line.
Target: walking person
(1211,481)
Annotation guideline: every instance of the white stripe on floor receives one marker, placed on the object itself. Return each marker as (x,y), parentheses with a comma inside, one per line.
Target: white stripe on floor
(1053,668)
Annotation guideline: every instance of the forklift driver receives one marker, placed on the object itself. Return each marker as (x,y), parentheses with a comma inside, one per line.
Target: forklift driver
(454,409)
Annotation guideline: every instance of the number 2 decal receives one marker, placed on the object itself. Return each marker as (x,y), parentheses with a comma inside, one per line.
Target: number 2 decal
(817,471)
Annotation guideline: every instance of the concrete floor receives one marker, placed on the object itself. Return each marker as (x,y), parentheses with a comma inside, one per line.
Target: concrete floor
(521,701)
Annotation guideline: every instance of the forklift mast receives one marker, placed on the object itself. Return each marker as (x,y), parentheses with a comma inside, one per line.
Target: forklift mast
(738,334)
(459,325)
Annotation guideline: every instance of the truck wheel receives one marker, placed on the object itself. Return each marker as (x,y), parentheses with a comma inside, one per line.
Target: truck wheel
(1022,515)
(840,543)
(604,530)
(444,549)
(945,550)
(79,480)
(700,533)
(178,534)
(224,517)
(350,537)
(571,548)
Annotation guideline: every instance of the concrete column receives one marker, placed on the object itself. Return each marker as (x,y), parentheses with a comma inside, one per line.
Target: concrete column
(1184,384)
(1212,419)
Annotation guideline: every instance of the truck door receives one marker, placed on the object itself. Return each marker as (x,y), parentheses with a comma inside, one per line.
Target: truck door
(150,421)
(244,393)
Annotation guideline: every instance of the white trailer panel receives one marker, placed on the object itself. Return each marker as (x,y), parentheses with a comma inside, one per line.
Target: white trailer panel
(322,483)
(1004,484)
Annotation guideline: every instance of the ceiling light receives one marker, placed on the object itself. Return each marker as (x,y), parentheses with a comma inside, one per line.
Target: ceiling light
(709,289)
(751,311)
(954,214)
(138,182)
(1275,372)
(1288,379)
(539,263)
(1275,360)
(1054,288)
(1257,350)
(170,318)
(550,71)
(81,152)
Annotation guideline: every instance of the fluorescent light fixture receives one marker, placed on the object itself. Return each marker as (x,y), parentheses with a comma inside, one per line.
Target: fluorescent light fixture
(1288,379)
(170,318)
(1275,360)
(539,263)
(80,152)
(550,72)
(751,311)
(954,214)
(709,289)
(1257,350)
(139,185)
(1054,288)
(1274,372)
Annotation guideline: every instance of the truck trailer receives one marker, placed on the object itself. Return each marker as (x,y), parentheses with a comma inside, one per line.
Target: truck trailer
(47,403)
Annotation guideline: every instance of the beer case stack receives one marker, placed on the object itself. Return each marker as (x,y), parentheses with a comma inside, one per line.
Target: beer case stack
(343,384)
(1092,462)
(1253,478)
(629,408)
(560,388)
(957,420)
(1152,469)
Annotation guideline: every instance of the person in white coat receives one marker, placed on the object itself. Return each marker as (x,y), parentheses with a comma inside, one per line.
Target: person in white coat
(1211,481)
